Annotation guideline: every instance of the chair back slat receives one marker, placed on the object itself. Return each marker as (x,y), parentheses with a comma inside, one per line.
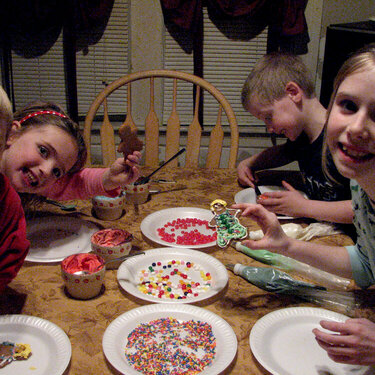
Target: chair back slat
(152,132)
(172,144)
(107,137)
(194,136)
(129,119)
(216,143)
(174,141)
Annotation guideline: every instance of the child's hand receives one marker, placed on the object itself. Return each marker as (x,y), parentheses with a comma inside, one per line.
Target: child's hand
(274,237)
(352,342)
(245,175)
(289,202)
(122,172)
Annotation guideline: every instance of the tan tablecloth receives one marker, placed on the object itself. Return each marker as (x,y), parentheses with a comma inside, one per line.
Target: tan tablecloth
(38,289)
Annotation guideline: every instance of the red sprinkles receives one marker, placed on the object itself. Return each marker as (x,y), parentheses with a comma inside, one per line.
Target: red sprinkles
(166,346)
(188,231)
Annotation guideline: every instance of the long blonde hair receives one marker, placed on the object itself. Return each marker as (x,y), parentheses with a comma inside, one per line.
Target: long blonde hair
(361,60)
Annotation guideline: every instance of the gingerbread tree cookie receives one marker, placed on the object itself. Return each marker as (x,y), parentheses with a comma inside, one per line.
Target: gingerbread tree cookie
(226,222)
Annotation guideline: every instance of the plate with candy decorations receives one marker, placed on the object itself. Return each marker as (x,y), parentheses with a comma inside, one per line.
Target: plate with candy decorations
(185,337)
(173,275)
(185,227)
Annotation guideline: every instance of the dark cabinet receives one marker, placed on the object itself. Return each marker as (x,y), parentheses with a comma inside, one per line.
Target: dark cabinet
(341,41)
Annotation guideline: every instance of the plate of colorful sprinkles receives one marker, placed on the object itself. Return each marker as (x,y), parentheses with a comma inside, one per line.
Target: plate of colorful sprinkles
(172,275)
(185,227)
(169,339)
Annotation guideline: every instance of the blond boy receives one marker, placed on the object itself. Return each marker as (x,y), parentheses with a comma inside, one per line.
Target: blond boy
(279,92)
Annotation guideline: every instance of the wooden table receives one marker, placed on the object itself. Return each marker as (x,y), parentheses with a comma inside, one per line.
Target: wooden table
(38,289)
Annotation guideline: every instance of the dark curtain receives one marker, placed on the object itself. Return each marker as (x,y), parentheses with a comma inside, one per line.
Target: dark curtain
(286,18)
(31,27)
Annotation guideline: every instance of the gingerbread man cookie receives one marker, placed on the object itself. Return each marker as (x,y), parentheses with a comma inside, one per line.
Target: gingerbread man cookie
(129,141)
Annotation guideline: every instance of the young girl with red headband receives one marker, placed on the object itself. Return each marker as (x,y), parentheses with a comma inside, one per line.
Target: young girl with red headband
(45,154)
(350,136)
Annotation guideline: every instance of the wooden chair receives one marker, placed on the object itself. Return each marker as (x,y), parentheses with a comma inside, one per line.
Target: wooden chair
(172,128)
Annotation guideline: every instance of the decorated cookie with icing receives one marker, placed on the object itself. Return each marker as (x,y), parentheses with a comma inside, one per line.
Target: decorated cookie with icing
(226,222)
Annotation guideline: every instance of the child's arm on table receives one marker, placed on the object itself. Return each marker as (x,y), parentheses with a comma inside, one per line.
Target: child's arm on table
(272,157)
(293,203)
(333,259)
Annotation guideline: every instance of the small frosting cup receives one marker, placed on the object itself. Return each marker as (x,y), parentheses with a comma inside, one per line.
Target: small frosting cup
(111,244)
(83,275)
(137,194)
(107,208)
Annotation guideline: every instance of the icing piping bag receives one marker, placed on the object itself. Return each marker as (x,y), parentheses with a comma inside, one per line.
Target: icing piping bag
(279,282)
(285,263)
(269,279)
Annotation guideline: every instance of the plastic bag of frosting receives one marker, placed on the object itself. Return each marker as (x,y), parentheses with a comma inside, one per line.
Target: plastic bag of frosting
(297,231)
(291,265)
(275,281)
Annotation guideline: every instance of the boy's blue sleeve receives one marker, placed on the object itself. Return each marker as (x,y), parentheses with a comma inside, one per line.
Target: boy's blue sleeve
(361,269)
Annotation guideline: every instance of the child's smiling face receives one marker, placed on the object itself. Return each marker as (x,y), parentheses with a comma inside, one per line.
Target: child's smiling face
(34,159)
(351,127)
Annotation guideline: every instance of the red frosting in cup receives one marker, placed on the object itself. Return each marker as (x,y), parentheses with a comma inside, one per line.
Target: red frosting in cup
(82,262)
(111,237)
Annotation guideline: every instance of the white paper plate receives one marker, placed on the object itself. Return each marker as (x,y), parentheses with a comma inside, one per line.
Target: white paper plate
(158,219)
(115,336)
(248,196)
(283,343)
(53,238)
(50,346)
(129,272)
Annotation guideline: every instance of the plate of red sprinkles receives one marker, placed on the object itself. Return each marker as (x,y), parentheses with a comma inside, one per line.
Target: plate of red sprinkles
(169,339)
(185,227)
(173,275)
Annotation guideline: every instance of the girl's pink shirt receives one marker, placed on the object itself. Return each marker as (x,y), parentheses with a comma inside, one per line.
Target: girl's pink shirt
(84,184)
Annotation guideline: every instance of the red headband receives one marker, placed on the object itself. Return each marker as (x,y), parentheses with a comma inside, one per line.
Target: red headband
(33,114)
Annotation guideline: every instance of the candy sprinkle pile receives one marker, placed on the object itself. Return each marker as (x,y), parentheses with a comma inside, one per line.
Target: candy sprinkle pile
(186,232)
(174,279)
(166,346)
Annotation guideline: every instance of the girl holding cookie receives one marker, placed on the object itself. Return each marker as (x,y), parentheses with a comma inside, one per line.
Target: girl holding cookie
(45,154)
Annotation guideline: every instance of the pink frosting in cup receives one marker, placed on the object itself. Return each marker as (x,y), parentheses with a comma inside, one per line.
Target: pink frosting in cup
(82,262)
(111,237)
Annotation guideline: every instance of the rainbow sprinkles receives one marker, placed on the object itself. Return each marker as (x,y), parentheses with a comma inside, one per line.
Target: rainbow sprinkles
(167,346)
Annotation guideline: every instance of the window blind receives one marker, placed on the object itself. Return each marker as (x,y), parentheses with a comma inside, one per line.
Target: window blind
(105,61)
(227,63)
